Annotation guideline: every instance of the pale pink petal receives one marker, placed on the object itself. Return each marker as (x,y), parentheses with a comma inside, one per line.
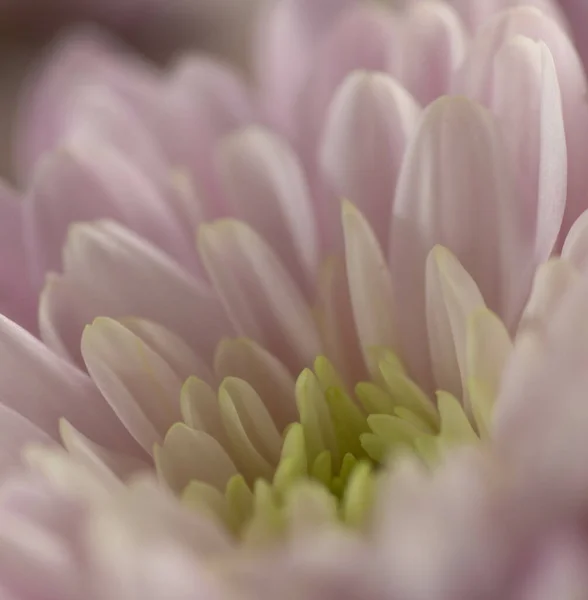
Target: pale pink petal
(553,280)
(288,36)
(171,347)
(359,39)
(476,14)
(370,286)
(17,433)
(187,455)
(80,58)
(17,294)
(474,80)
(261,298)
(454,190)
(429,45)
(138,384)
(247,360)
(575,248)
(543,395)
(267,188)
(368,126)
(203,101)
(43,388)
(451,297)
(103,257)
(335,320)
(111,187)
(528,102)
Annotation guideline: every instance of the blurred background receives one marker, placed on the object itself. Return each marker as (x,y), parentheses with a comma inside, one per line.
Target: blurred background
(158,29)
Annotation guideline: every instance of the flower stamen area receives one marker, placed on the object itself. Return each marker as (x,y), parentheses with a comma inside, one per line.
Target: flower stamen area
(324,467)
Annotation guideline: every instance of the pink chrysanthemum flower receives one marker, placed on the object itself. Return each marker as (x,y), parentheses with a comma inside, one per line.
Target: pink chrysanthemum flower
(390,245)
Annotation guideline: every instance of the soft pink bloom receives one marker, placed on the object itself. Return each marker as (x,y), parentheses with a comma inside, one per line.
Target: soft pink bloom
(461,246)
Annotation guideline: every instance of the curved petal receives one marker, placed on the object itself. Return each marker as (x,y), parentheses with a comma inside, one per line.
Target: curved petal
(454,190)
(267,188)
(451,297)
(260,296)
(429,45)
(368,126)
(138,384)
(102,257)
(44,388)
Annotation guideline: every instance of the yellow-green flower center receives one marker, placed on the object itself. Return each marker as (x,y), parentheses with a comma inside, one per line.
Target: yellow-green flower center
(328,463)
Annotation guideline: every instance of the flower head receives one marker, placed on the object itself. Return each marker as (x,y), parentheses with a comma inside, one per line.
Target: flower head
(389,262)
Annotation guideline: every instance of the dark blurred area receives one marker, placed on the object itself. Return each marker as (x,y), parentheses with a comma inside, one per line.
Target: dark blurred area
(158,29)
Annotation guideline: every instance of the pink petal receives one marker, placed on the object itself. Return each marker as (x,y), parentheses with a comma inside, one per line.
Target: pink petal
(474,81)
(370,286)
(289,34)
(17,295)
(79,59)
(203,100)
(138,384)
(368,126)
(527,100)
(111,186)
(247,360)
(43,388)
(541,414)
(359,39)
(451,298)
(102,257)
(575,248)
(454,190)
(267,188)
(261,298)
(430,44)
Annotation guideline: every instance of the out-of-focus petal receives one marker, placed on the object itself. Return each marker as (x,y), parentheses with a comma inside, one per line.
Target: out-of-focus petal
(429,44)
(267,188)
(451,297)
(575,248)
(42,388)
(368,126)
(370,286)
(541,414)
(17,295)
(454,190)
(261,298)
(79,59)
(474,80)
(112,272)
(139,385)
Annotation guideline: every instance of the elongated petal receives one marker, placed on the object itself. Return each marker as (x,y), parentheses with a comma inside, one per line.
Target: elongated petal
(527,99)
(575,248)
(17,294)
(290,33)
(369,123)
(79,59)
(267,188)
(452,296)
(139,385)
(454,190)
(187,454)
(261,298)
(359,39)
(474,80)
(43,388)
(370,287)
(247,360)
(429,45)
(543,395)
(103,257)
(336,323)
(203,101)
